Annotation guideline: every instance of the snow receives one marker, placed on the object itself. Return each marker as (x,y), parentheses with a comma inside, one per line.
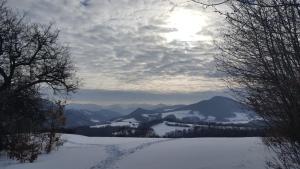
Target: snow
(87,112)
(211,118)
(205,153)
(239,118)
(81,152)
(67,157)
(133,120)
(99,126)
(94,120)
(162,128)
(126,122)
(184,113)
(168,109)
(145,115)
(175,123)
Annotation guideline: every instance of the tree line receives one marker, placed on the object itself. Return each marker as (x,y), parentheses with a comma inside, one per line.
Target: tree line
(213,131)
(31,58)
(146,130)
(260,56)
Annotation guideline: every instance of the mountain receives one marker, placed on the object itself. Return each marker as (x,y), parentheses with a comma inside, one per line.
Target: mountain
(76,118)
(217,109)
(124,109)
(141,114)
(166,108)
(89,107)
(217,113)
(91,114)
(129,108)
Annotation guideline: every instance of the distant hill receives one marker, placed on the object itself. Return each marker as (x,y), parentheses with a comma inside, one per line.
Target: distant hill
(216,109)
(76,118)
(219,107)
(89,107)
(139,114)
(91,114)
(215,113)
(124,109)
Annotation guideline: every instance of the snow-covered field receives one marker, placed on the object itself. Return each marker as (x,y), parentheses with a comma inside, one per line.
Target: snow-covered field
(185,113)
(81,152)
(126,122)
(162,128)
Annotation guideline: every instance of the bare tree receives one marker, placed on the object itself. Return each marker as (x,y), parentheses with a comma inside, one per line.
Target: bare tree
(31,57)
(261,56)
(55,121)
(211,3)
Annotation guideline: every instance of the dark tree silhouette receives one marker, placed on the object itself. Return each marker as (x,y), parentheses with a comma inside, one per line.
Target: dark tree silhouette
(31,57)
(55,120)
(211,3)
(261,56)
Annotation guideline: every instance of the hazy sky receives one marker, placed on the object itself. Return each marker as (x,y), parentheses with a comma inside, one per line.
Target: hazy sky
(155,47)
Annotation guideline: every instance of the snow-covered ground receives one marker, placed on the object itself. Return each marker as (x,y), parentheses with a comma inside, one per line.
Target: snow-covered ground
(239,118)
(81,152)
(126,122)
(183,114)
(163,128)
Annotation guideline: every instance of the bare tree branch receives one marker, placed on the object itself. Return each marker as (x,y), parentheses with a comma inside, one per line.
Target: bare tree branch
(248,2)
(260,53)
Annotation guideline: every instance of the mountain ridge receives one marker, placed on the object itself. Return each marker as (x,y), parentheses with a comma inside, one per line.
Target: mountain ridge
(218,108)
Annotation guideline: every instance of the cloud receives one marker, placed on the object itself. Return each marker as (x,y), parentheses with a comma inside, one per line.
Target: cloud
(109,97)
(120,44)
(85,2)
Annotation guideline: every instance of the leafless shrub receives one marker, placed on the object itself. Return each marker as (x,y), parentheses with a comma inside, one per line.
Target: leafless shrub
(261,56)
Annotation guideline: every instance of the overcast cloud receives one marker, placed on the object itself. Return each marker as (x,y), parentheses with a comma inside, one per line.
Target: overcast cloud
(130,45)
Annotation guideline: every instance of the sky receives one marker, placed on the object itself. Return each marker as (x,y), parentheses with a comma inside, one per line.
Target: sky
(136,51)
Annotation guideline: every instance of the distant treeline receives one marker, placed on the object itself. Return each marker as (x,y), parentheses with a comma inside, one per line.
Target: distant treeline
(217,131)
(145,130)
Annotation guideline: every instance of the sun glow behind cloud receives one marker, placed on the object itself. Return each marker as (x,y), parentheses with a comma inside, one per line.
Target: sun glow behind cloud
(186,24)
(145,45)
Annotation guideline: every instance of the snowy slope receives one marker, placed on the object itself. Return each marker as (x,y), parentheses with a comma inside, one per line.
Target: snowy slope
(162,128)
(81,152)
(184,114)
(131,122)
(76,118)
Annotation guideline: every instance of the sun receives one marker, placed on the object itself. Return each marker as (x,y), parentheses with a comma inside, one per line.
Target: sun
(186,24)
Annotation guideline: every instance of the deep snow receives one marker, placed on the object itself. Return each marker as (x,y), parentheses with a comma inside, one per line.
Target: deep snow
(81,152)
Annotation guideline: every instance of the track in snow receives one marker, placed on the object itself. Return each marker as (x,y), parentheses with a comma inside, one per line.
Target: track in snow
(115,154)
